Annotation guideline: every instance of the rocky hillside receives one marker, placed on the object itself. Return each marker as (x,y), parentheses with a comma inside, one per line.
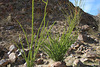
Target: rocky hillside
(86,51)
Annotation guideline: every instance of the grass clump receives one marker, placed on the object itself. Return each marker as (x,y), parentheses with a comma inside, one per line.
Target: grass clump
(56,47)
(33,49)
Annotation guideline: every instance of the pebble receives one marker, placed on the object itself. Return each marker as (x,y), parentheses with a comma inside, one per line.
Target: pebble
(69,60)
(20,53)
(84,60)
(4,62)
(80,48)
(98,35)
(9,27)
(12,57)
(12,48)
(79,52)
(72,46)
(80,37)
(39,61)
(75,46)
(25,65)
(58,64)
(85,27)
(9,18)
(98,48)
(78,63)
(90,54)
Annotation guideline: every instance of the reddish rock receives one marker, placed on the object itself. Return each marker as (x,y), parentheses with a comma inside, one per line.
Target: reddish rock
(39,61)
(58,64)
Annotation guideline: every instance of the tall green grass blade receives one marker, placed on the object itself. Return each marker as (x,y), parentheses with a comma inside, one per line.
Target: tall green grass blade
(23,32)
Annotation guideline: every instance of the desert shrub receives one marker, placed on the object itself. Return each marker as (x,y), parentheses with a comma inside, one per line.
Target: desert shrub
(33,49)
(56,47)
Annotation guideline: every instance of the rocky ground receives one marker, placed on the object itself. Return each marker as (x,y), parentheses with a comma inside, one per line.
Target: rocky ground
(85,52)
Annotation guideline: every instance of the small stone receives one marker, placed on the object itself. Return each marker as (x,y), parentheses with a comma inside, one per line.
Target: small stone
(12,57)
(90,54)
(12,48)
(80,48)
(9,65)
(58,64)
(75,46)
(25,65)
(85,60)
(23,10)
(77,57)
(78,63)
(98,35)
(98,48)
(39,61)
(3,62)
(72,46)
(46,62)
(79,52)
(9,18)
(80,37)
(85,27)
(19,52)
(9,27)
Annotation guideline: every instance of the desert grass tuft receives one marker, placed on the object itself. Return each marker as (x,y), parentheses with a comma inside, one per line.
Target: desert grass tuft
(33,48)
(56,47)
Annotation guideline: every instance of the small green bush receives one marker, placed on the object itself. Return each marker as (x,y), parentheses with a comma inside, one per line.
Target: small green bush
(57,47)
(38,41)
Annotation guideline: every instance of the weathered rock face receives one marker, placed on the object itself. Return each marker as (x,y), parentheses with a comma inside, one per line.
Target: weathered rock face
(54,10)
(90,20)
